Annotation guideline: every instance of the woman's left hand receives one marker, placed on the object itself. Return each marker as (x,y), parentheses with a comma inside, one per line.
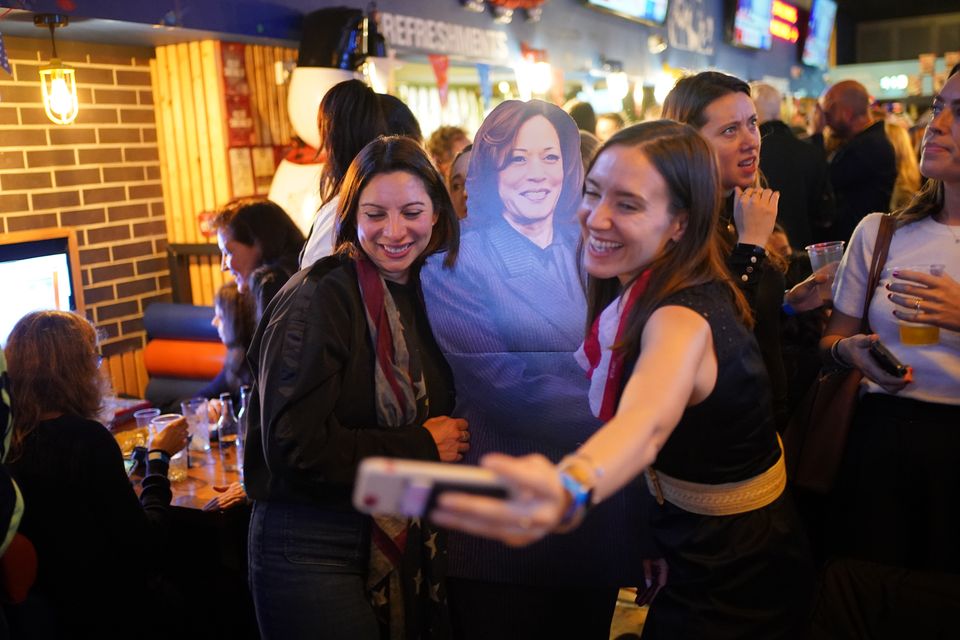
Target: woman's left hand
(231,496)
(534,508)
(805,296)
(939,298)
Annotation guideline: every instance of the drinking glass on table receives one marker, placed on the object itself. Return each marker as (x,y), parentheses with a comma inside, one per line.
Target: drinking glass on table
(196,411)
(821,255)
(915,333)
(178,462)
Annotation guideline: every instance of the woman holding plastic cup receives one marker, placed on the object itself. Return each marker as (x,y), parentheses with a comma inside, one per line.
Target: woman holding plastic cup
(899,485)
(92,534)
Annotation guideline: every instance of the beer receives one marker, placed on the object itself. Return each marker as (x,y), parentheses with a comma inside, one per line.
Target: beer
(918,334)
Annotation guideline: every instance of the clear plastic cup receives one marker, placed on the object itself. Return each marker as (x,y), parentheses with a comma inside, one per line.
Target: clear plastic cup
(196,411)
(178,462)
(914,333)
(821,255)
(142,433)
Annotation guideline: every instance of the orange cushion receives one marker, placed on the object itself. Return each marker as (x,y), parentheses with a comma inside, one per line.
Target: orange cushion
(184,358)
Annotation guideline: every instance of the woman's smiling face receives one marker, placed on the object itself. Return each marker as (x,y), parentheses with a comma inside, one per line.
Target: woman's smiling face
(532,178)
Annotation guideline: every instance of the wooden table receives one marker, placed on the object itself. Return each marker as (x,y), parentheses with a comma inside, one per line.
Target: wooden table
(205,471)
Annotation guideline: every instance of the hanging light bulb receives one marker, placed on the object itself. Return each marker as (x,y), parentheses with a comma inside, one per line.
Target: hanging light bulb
(57,80)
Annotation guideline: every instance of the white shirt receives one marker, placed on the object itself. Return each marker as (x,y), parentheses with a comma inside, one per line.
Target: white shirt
(936,368)
(323,234)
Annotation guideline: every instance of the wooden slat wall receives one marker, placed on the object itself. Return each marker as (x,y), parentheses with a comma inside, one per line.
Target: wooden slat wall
(191,130)
(127,373)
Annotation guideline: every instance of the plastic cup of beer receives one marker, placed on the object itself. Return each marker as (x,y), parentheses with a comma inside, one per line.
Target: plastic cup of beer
(177,471)
(196,412)
(914,333)
(822,254)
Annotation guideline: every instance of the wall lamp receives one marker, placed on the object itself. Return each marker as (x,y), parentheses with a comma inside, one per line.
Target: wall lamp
(58,81)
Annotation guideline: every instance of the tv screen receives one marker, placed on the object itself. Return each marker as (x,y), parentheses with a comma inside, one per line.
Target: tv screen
(750,26)
(34,275)
(816,47)
(653,11)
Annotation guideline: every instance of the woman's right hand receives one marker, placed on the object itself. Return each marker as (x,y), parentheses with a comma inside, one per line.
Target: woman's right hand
(855,351)
(450,435)
(755,214)
(172,439)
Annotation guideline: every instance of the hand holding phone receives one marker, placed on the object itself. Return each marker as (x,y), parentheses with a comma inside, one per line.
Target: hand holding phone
(409,488)
(887,361)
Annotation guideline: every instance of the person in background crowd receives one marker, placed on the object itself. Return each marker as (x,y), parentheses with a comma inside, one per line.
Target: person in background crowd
(607,125)
(720,107)
(93,537)
(678,377)
(508,319)
(323,401)
(444,145)
(589,144)
(351,114)
(233,316)
(457,181)
(583,115)
(908,169)
(796,169)
(863,169)
(260,245)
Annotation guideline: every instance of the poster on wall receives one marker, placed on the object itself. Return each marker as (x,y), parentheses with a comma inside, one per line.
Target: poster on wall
(236,92)
(690,26)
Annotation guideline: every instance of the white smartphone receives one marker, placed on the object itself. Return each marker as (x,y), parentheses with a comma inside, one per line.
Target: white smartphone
(409,488)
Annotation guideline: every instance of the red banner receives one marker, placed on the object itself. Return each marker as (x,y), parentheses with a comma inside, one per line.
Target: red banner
(440,65)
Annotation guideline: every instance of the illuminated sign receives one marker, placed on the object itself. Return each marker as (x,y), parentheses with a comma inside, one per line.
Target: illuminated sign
(783,24)
(894,83)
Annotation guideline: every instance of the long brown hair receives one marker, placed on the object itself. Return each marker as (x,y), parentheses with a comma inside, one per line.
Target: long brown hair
(687,164)
(53,366)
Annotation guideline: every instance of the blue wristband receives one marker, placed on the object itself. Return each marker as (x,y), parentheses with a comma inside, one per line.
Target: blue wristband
(788,309)
(580,499)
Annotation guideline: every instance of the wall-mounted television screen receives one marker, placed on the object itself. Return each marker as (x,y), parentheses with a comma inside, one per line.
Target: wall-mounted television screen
(37,273)
(749,24)
(647,11)
(816,47)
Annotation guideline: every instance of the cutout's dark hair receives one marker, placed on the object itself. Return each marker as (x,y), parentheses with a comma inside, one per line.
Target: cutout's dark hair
(388,155)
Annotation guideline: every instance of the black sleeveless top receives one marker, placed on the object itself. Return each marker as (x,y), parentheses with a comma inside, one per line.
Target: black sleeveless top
(730,435)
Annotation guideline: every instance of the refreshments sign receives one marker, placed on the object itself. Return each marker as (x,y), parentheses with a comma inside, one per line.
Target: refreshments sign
(435,36)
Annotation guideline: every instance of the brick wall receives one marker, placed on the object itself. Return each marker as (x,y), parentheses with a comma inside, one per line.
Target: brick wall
(100,176)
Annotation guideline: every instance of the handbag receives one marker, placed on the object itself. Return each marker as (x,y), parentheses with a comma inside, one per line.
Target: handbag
(816,434)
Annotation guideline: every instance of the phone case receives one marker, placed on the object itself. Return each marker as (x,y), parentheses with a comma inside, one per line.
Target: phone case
(887,361)
(409,488)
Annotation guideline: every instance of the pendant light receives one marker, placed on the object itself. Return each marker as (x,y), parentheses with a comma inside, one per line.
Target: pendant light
(58,81)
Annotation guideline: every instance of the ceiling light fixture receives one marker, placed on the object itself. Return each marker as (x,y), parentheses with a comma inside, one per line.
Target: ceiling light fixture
(58,81)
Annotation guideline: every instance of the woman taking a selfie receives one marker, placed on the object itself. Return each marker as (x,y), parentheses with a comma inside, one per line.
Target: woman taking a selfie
(346,367)
(670,357)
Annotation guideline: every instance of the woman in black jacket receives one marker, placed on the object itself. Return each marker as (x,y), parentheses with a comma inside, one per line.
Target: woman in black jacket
(346,367)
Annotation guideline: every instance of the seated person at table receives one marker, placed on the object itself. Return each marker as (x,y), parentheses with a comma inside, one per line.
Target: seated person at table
(98,546)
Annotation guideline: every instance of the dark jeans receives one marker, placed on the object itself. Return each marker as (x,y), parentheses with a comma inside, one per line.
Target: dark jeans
(489,610)
(307,573)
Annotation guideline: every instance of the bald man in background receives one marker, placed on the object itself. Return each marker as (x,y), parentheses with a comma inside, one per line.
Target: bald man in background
(864,167)
(795,168)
